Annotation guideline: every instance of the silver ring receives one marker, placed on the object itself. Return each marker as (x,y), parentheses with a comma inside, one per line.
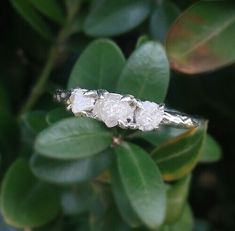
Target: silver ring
(124,111)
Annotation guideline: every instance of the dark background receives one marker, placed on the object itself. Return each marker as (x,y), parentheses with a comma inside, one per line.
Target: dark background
(212,96)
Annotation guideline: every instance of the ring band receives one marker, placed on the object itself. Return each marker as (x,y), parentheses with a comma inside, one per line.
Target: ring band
(124,111)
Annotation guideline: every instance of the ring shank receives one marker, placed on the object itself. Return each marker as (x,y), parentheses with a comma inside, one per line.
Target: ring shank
(178,119)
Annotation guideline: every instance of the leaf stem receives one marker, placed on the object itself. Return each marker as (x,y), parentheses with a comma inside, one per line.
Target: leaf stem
(39,86)
(42,79)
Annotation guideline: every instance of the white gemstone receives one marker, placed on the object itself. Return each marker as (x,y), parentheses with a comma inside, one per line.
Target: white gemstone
(81,102)
(111,110)
(150,116)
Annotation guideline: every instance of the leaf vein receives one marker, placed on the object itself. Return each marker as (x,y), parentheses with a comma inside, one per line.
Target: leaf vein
(177,154)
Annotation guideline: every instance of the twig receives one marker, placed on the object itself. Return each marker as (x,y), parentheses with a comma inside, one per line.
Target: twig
(39,86)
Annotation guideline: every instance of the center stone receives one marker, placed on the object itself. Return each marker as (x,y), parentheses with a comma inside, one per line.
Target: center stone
(111,109)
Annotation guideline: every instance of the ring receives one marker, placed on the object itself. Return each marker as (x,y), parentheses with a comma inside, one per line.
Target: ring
(124,111)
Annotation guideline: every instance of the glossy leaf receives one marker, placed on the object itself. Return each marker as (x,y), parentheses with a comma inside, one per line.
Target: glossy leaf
(77,199)
(107,62)
(142,40)
(51,9)
(34,121)
(184,223)
(178,156)
(142,183)
(208,27)
(70,171)
(25,9)
(161,19)
(6,227)
(73,138)
(107,221)
(146,74)
(57,114)
(176,199)
(25,201)
(211,150)
(125,209)
(103,214)
(56,225)
(31,124)
(158,137)
(112,17)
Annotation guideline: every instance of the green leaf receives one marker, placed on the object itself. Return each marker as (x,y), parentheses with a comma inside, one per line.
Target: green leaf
(112,17)
(161,19)
(176,199)
(146,74)
(6,227)
(184,223)
(25,201)
(211,150)
(158,137)
(34,121)
(178,156)
(107,62)
(51,9)
(77,199)
(103,213)
(142,40)
(57,114)
(31,124)
(73,138)
(26,10)
(142,183)
(56,225)
(208,47)
(125,209)
(104,216)
(70,171)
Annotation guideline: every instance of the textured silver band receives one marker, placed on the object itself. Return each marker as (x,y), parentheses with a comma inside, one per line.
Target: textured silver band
(124,111)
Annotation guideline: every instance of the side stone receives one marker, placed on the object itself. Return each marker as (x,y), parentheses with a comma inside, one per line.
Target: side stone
(149,116)
(81,102)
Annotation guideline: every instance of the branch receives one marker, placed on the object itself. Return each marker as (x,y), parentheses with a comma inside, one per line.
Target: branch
(39,86)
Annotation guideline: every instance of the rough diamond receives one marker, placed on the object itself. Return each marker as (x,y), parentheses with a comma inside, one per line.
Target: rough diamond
(81,102)
(111,109)
(149,116)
